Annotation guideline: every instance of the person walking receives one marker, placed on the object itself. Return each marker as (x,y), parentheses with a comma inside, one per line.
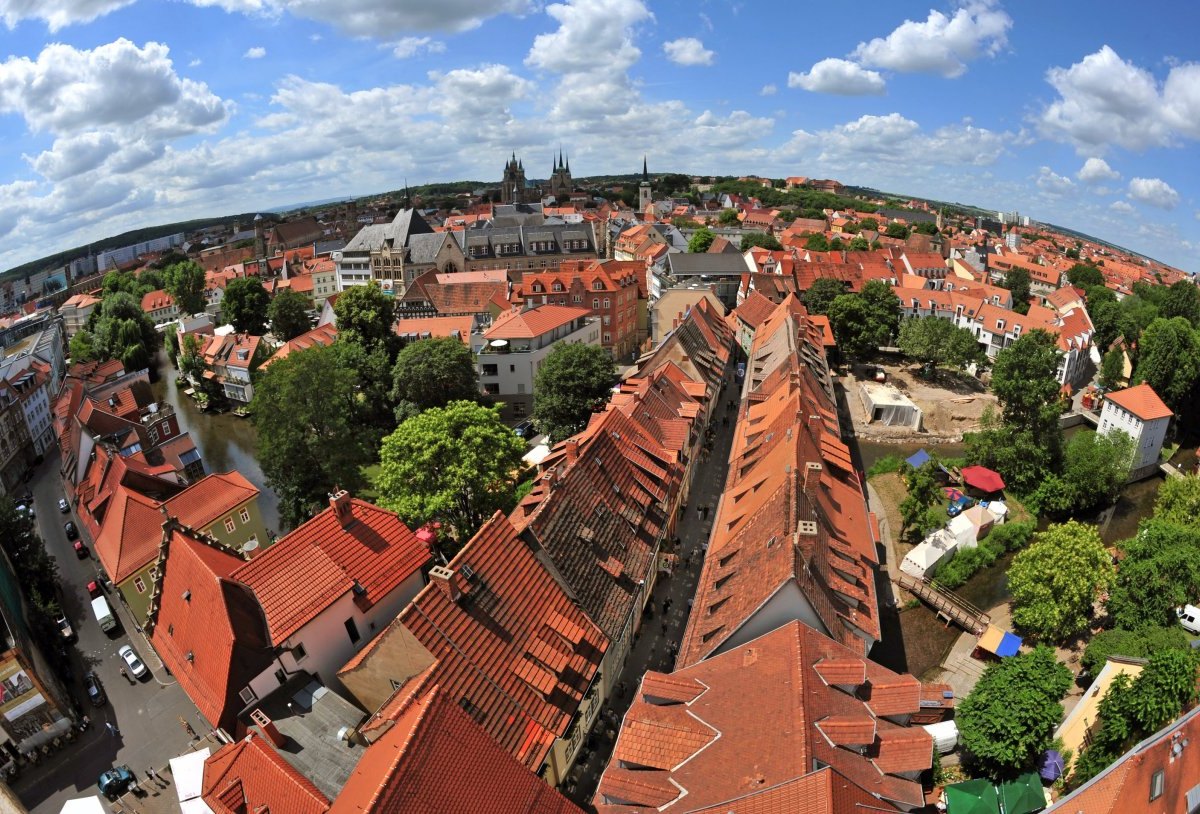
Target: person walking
(125,674)
(112,730)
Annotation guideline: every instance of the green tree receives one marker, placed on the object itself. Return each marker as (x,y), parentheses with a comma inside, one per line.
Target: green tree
(1018,282)
(1007,720)
(1084,275)
(1106,318)
(939,341)
(869,224)
(1135,644)
(185,282)
(288,313)
(117,329)
(859,244)
(1178,500)
(373,371)
(925,227)
(1055,581)
(573,380)
(728,217)
(701,239)
(366,317)
(1160,570)
(432,373)
(897,230)
(1182,300)
(1072,254)
(150,279)
(1169,361)
(1095,467)
(766,241)
(884,308)
(822,293)
(37,575)
(816,243)
(456,464)
(923,492)
(306,411)
(854,328)
(190,363)
(245,305)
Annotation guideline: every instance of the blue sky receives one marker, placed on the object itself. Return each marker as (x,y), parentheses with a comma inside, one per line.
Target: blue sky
(118,114)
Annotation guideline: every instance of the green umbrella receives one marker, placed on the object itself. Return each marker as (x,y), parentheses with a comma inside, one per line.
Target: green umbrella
(972,797)
(1023,795)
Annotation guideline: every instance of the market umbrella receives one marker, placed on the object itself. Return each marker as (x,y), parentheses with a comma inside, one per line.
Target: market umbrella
(1023,795)
(972,797)
(982,478)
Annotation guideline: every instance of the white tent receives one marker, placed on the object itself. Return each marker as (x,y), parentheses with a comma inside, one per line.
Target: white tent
(924,559)
(84,805)
(944,734)
(998,510)
(964,531)
(188,772)
(885,404)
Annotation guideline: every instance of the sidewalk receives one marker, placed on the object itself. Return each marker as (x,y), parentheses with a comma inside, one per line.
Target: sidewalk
(661,632)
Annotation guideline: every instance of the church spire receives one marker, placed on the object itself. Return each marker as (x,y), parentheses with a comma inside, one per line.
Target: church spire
(568,165)
(645,175)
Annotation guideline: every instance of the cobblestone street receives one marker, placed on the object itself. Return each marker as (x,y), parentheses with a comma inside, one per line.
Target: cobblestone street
(655,645)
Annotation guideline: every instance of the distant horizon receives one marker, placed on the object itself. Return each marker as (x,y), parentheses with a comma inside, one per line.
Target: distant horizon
(122,113)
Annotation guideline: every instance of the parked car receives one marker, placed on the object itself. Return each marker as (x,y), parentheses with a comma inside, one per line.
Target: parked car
(27,508)
(1189,617)
(80,550)
(63,505)
(524,429)
(69,528)
(95,691)
(115,782)
(94,589)
(136,668)
(64,627)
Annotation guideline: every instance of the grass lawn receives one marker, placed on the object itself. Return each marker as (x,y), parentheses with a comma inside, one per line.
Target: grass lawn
(891,491)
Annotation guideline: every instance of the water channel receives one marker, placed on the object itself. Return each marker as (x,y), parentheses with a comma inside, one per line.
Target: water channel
(225,441)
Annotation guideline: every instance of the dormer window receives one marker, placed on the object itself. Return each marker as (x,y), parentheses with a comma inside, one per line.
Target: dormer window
(537,288)
(558,286)
(597,286)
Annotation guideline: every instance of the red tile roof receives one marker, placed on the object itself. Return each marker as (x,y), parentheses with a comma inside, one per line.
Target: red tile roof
(306,571)
(763,721)
(512,643)
(323,335)
(457,327)
(1142,401)
(154,300)
(435,760)
(249,775)
(205,626)
(535,322)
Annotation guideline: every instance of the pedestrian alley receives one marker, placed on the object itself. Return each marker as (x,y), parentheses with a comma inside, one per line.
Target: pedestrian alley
(662,628)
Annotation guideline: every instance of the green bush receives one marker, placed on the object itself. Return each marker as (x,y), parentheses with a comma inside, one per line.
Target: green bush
(885,465)
(1136,644)
(1012,536)
(965,563)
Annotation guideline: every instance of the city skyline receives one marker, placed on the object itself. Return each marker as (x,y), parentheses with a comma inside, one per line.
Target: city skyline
(122,114)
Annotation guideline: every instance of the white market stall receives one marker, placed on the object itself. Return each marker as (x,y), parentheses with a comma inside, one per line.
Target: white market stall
(886,405)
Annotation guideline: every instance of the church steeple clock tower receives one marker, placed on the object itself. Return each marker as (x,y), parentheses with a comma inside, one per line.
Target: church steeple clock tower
(645,194)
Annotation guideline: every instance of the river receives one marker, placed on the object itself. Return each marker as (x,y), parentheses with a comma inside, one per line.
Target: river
(225,441)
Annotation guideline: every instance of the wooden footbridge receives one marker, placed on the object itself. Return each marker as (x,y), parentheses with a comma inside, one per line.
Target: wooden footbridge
(946,604)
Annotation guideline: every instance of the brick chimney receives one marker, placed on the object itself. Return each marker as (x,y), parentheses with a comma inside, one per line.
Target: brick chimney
(450,581)
(572,450)
(268,728)
(812,479)
(340,503)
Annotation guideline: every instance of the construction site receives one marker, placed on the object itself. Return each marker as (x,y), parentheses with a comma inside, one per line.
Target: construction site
(896,403)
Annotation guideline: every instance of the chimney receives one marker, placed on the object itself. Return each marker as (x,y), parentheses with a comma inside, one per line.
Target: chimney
(572,450)
(450,581)
(812,479)
(816,425)
(269,730)
(340,502)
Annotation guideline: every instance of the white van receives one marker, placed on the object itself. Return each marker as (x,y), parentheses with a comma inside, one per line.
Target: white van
(104,614)
(1189,617)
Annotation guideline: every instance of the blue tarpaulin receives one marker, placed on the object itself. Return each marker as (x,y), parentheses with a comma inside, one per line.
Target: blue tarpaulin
(1010,645)
(917,458)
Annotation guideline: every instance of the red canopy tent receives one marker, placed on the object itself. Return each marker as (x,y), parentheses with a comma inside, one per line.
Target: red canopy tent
(982,478)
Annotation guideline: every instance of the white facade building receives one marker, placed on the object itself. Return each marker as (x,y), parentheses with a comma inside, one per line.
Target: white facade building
(513,348)
(1140,413)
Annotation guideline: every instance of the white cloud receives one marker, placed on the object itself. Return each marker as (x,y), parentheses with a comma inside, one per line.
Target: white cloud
(1050,182)
(408,47)
(379,18)
(257,52)
(1104,100)
(768,90)
(941,45)
(57,13)
(1153,192)
(1121,207)
(1096,169)
(688,51)
(591,35)
(196,63)
(838,76)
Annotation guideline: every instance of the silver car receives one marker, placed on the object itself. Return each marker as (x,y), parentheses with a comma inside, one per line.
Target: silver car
(136,668)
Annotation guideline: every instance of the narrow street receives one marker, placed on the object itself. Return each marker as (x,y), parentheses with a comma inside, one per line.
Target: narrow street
(661,633)
(146,713)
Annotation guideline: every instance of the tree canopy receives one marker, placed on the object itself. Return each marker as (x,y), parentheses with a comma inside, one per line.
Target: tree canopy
(245,305)
(1095,467)
(701,239)
(1055,581)
(455,464)
(1178,500)
(365,316)
(1007,720)
(185,282)
(822,293)
(310,438)
(816,242)
(728,217)
(1084,275)
(117,329)
(289,315)
(1169,361)
(863,322)
(1182,300)
(573,380)
(921,510)
(1160,570)
(766,241)
(432,373)
(1018,282)
(940,341)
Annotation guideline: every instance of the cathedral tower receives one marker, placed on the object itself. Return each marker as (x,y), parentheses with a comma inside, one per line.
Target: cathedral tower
(645,194)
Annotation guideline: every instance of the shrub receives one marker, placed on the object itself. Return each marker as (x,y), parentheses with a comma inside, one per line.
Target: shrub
(1136,644)
(885,466)
(1012,536)
(965,563)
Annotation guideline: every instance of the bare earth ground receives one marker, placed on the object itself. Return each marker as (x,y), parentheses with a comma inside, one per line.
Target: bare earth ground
(951,403)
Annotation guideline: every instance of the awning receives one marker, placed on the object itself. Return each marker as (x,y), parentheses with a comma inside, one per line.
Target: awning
(972,797)
(982,478)
(1000,642)
(917,459)
(1023,795)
